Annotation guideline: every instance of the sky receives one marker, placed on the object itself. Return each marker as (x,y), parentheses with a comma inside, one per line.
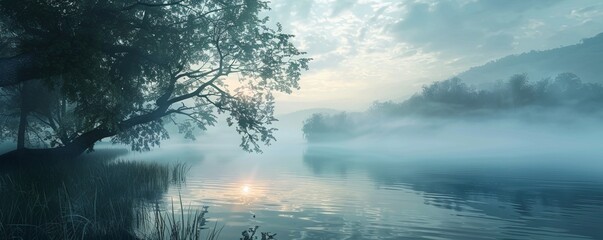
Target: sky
(378,50)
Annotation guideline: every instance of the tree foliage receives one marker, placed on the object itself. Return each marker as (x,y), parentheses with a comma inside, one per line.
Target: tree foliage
(37,103)
(124,68)
(454,99)
(320,127)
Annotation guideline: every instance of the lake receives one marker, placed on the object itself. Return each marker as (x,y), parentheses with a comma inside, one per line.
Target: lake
(333,192)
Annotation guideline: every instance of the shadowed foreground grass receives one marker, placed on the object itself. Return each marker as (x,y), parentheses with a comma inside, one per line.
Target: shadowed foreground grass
(97,199)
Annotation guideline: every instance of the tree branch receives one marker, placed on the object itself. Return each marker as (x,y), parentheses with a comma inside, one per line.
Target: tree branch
(139,3)
(208,83)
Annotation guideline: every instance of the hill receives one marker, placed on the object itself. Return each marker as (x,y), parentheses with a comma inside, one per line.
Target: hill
(584,59)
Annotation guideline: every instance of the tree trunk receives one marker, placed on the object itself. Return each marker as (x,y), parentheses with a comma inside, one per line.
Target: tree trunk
(22,128)
(27,156)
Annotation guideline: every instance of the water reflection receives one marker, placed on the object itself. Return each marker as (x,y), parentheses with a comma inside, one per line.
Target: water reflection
(246,189)
(326,193)
(530,201)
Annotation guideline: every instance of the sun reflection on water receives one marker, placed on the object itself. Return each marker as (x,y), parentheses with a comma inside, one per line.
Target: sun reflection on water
(251,194)
(246,189)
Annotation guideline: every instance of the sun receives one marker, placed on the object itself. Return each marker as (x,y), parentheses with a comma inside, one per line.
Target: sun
(246,189)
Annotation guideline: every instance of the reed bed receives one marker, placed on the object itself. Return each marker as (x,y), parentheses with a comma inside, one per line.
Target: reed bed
(94,199)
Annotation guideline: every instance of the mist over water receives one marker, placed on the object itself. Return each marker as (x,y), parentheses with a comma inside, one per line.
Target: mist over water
(155,119)
(417,137)
(412,178)
(525,173)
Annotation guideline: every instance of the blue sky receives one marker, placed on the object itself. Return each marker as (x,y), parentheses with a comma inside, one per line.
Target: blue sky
(367,50)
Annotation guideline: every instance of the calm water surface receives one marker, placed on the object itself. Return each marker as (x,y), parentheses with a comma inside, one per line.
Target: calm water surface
(302,192)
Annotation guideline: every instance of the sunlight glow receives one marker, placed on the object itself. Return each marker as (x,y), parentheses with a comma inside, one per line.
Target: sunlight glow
(246,189)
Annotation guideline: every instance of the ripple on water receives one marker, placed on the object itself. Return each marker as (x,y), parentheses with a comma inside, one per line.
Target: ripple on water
(335,199)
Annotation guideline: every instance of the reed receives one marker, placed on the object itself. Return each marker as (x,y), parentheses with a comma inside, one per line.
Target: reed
(99,199)
(87,200)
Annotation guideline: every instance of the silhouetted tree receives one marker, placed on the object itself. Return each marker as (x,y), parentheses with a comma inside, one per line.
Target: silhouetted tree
(567,85)
(26,109)
(326,127)
(122,68)
(520,91)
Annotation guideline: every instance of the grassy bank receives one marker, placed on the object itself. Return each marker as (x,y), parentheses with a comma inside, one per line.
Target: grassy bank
(95,199)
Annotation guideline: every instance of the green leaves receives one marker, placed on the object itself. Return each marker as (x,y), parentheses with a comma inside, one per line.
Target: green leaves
(251,116)
(142,137)
(121,61)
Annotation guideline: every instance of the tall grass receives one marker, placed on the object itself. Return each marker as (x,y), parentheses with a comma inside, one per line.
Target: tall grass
(98,198)
(94,199)
(188,223)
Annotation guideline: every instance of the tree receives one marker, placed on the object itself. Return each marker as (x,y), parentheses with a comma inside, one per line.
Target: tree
(20,103)
(567,85)
(520,90)
(321,127)
(453,91)
(123,68)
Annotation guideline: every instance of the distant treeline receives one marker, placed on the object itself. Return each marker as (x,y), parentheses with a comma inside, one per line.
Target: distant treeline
(453,99)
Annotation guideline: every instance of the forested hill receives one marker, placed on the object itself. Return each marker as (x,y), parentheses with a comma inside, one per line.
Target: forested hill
(584,59)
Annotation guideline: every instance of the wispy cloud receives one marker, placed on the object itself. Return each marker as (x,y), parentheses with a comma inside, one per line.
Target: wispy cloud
(342,5)
(361,44)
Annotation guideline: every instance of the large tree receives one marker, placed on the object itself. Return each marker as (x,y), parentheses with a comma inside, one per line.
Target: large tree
(121,68)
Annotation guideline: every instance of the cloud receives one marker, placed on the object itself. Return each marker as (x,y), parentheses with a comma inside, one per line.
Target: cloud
(588,13)
(511,5)
(459,27)
(300,8)
(341,5)
(287,12)
(366,50)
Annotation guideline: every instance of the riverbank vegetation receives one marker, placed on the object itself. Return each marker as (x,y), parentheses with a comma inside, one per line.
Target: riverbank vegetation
(97,199)
(517,98)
